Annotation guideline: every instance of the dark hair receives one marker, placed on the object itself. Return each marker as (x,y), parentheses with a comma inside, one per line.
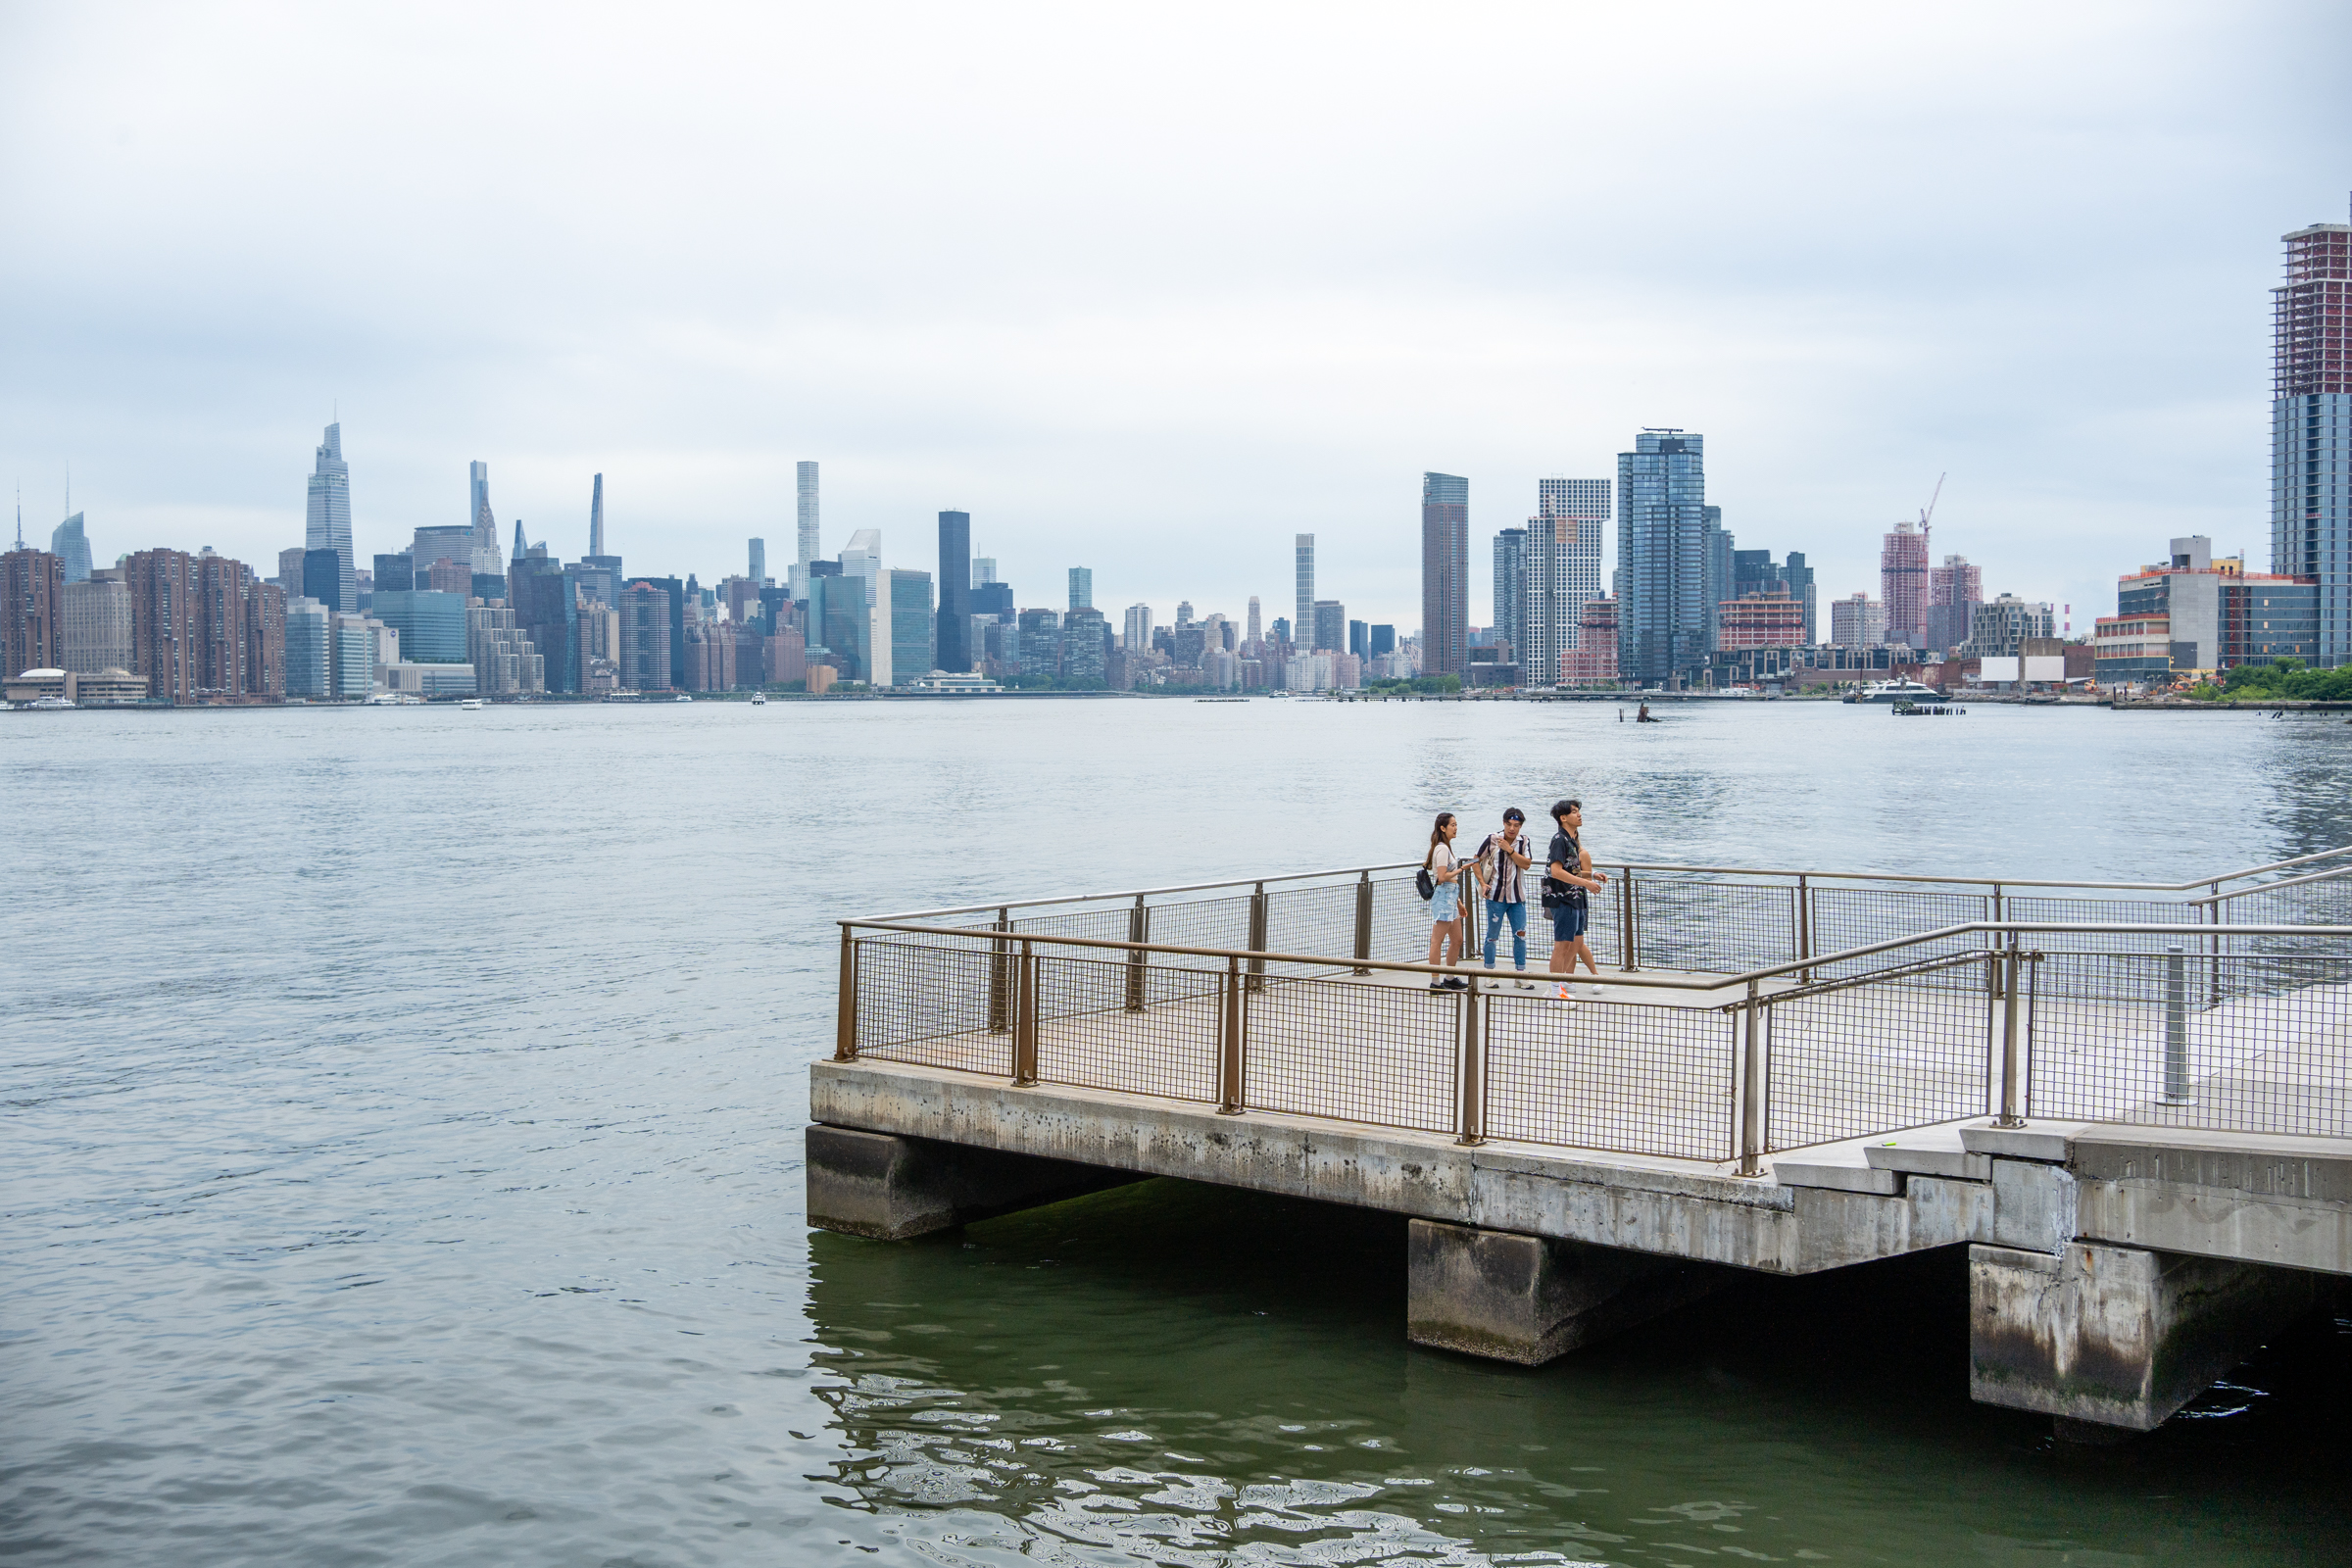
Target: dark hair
(1512,813)
(1437,835)
(1560,808)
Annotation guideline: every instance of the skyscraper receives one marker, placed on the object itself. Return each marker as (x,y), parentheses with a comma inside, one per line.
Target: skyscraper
(327,525)
(1579,513)
(97,625)
(32,611)
(1256,631)
(811,535)
(910,626)
(2311,426)
(1135,635)
(1510,590)
(984,571)
(758,562)
(596,518)
(954,579)
(1082,588)
(1661,557)
(486,557)
(1303,623)
(1444,574)
(71,549)
(1330,627)
(1954,590)
(1904,584)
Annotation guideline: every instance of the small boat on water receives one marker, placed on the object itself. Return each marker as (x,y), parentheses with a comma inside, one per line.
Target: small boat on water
(1895,691)
(758,698)
(43,705)
(683,698)
(471,704)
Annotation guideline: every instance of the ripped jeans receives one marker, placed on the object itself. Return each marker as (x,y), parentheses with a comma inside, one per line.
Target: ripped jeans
(1516,913)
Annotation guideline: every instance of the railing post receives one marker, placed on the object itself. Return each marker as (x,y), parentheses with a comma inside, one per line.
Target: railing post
(2213,946)
(2012,1040)
(999,976)
(1024,1032)
(1363,921)
(1139,930)
(2176,1027)
(1473,914)
(1751,1096)
(1471,1114)
(1628,929)
(845,1018)
(1257,936)
(1804,924)
(1229,1040)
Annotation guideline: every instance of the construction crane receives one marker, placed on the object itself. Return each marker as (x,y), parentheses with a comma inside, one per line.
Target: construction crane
(1927,516)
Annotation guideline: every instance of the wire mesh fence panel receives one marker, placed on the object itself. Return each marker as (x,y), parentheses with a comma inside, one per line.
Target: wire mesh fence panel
(1626,1077)
(2116,912)
(2133,1037)
(1088,1038)
(1071,982)
(1904,1049)
(1105,922)
(2324,901)
(1718,927)
(1844,918)
(1401,920)
(928,1001)
(1313,920)
(1219,922)
(1357,1050)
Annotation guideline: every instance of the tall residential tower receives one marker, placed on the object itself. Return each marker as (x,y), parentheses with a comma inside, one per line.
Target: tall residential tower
(2311,427)
(1302,622)
(1662,548)
(1444,574)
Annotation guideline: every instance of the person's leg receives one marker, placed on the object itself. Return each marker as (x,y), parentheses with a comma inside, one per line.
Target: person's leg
(1495,914)
(1563,954)
(1518,916)
(1437,941)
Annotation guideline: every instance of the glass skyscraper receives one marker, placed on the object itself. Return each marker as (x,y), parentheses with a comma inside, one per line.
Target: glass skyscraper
(2311,427)
(327,524)
(486,558)
(1302,624)
(1510,591)
(910,625)
(310,655)
(1444,574)
(72,547)
(1662,548)
(955,590)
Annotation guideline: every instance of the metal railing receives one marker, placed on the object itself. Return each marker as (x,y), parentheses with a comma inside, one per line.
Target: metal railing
(1692,918)
(2250,1029)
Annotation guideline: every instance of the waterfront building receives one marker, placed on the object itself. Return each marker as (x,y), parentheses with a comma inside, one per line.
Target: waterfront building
(33,615)
(711,657)
(1954,590)
(1578,514)
(322,579)
(163,622)
(1085,646)
(1302,548)
(1510,582)
(546,609)
(352,665)
(1998,630)
(265,641)
(1330,627)
(1444,574)
(1760,621)
(2311,428)
(2196,613)
(645,665)
(309,649)
(223,589)
(676,592)
(1754,572)
(326,519)
(1904,584)
(910,626)
(787,656)
(1663,555)
(431,624)
(1082,588)
(1593,662)
(1040,642)
(1859,621)
(95,624)
(956,606)
(1135,635)
(72,547)
(597,633)
(483,559)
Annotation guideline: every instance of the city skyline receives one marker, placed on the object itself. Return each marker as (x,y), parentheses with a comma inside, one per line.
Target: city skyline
(1846,313)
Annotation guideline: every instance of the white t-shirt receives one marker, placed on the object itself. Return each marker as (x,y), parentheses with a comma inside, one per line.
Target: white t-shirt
(1442,858)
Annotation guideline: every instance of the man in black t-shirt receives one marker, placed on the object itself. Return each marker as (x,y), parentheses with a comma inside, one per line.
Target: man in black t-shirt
(1569,881)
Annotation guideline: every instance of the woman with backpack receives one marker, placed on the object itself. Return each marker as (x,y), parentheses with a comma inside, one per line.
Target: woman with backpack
(1441,882)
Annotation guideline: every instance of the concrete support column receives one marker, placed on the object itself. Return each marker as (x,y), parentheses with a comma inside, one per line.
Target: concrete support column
(891,1187)
(2117,1336)
(1528,1298)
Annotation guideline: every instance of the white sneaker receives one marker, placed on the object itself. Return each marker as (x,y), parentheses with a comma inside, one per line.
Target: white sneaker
(1591,991)
(1560,993)
(1525,984)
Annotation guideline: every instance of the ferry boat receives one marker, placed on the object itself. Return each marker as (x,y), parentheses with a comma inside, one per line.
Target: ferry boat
(1895,691)
(395,700)
(41,704)
(682,698)
(471,705)
(758,697)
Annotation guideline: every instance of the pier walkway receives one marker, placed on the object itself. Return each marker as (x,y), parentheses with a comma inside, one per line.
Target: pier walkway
(2119,1088)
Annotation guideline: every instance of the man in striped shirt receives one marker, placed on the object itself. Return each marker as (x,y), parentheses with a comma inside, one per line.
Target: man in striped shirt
(1500,861)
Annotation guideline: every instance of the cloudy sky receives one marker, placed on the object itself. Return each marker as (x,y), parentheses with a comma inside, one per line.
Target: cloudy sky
(1149,289)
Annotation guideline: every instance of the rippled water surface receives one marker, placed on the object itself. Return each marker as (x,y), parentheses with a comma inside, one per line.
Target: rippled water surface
(403,1138)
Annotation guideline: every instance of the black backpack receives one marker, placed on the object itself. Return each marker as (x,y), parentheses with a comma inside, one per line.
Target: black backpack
(1425,884)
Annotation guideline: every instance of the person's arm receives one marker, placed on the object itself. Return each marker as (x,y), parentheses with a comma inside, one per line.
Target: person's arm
(1523,862)
(1583,862)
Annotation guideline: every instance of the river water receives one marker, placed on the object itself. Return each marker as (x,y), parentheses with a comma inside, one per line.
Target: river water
(402,1158)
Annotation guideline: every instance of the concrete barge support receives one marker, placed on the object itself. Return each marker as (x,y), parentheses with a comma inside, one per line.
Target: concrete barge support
(891,1186)
(1528,1298)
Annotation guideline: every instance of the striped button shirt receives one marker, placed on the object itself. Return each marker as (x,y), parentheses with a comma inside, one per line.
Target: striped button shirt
(1503,873)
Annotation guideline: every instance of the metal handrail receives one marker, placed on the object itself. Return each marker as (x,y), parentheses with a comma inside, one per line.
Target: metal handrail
(1682,981)
(995,905)
(2265,887)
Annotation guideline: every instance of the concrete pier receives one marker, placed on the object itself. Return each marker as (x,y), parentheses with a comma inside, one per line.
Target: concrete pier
(891,1187)
(1528,1298)
(2117,1336)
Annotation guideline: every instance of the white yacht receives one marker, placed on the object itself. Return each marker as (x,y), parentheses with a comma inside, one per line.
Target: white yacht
(471,705)
(758,698)
(1897,691)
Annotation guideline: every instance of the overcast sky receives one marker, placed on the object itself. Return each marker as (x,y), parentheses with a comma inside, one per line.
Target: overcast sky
(1150,290)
